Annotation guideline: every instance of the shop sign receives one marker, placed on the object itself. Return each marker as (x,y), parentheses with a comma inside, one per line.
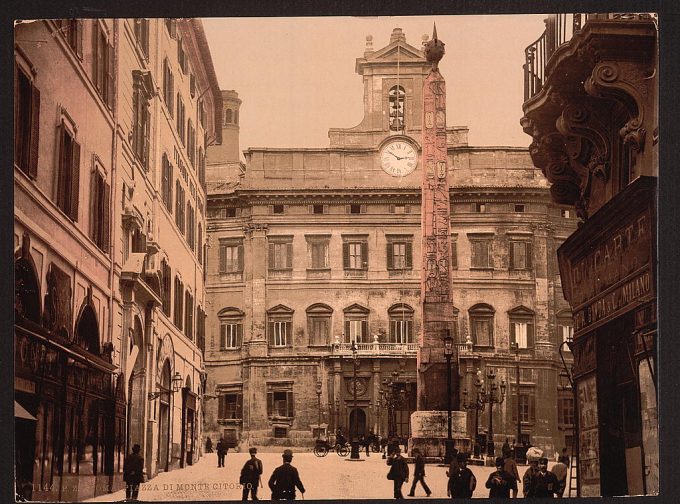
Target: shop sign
(584,355)
(588,438)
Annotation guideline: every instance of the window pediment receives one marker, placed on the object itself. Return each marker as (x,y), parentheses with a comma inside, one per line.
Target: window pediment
(521,311)
(356,309)
(400,309)
(319,309)
(280,310)
(230,312)
(482,309)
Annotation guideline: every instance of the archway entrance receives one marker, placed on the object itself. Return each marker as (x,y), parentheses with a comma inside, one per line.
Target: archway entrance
(136,398)
(164,418)
(357,418)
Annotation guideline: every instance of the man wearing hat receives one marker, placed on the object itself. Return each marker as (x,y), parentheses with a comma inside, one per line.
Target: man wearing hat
(133,473)
(250,475)
(501,482)
(546,484)
(398,472)
(419,474)
(462,483)
(528,480)
(285,478)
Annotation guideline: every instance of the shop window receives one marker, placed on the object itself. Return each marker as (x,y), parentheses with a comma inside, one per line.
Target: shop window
(521,327)
(481,325)
(400,252)
(520,255)
(26,123)
(319,324)
(280,402)
(397,107)
(280,326)
(356,324)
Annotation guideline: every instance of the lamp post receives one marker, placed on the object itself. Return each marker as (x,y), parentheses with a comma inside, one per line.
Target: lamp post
(336,410)
(475,404)
(355,434)
(518,440)
(448,353)
(491,395)
(318,398)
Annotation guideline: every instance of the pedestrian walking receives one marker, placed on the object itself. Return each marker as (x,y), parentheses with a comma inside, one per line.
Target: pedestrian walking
(398,472)
(545,482)
(419,474)
(208,445)
(285,479)
(221,452)
(250,475)
(510,466)
(133,473)
(500,481)
(505,449)
(528,480)
(452,470)
(560,472)
(462,483)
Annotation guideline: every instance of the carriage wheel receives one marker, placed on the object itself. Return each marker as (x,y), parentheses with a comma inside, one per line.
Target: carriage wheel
(320,451)
(343,451)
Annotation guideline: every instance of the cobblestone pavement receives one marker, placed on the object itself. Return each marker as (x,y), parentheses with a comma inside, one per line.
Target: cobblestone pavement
(331,477)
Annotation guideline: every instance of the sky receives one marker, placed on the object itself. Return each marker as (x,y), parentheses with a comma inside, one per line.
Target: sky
(296,76)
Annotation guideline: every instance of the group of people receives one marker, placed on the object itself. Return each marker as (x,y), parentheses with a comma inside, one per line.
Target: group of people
(537,481)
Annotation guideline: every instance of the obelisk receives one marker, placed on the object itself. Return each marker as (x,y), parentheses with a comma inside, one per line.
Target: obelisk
(430,422)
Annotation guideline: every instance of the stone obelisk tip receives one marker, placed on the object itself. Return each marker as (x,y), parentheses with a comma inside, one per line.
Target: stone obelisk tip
(434,49)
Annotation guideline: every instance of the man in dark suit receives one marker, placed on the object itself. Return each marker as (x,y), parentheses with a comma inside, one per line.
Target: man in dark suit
(221,452)
(285,479)
(133,473)
(250,475)
(398,471)
(419,474)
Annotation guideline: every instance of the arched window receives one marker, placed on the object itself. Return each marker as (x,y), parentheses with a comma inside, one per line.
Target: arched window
(280,326)
(228,116)
(26,290)
(481,324)
(356,324)
(235,116)
(401,323)
(319,323)
(521,327)
(87,330)
(397,104)
(231,328)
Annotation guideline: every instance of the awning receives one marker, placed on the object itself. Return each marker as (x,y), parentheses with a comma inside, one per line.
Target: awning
(20,412)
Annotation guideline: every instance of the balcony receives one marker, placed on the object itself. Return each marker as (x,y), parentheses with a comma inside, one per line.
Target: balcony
(375,348)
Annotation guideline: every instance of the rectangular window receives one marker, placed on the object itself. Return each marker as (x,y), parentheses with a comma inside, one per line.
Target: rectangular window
(480,254)
(280,400)
(166,183)
(522,333)
(141,125)
(357,209)
(318,209)
(399,209)
(68,194)
(179,206)
(527,405)
(355,253)
(277,209)
(356,330)
(168,87)
(319,330)
(181,56)
(482,334)
(479,207)
(399,254)
(231,257)
(519,208)
(230,212)
(567,333)
(401,331)
(189,315)
(179,300)
(99,211)
(171,25)
(191,227)
(72,31)
(180,119)
(319,252)
(231,334)
(230,406)
(566,213)
(280,256)
(167,287)
(454,255)
(26,123)
(280,333)
(520,255)
(191,142)
(565,411)
(102,57)
(142,35)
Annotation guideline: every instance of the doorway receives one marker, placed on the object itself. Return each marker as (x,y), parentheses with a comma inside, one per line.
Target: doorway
(357,420)
(164,419)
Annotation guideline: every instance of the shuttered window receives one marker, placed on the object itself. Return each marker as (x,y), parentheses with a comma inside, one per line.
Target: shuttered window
(68,185)
(481,325)
(166,182)
(280,255)
(230,257)
(26,123)
(356,330)
(167,286)
(168,87)
(231,335)
(399,254)
(355,255)
(189,315)
(522,333)
(72,31)
(102,58)
(179,300)
(280,333)
(99,211)
(230,406)
(527,406)
(520,255)
(480,253)
(280,401)
(142,34)
(141,124)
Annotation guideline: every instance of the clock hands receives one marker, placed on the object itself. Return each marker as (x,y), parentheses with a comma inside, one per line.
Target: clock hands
(398,158)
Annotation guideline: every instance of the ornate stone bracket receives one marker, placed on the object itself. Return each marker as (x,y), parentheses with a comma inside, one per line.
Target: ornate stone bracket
(626,83)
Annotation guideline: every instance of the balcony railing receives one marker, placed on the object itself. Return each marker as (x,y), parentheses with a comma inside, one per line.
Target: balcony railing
(376,348)
(559,29)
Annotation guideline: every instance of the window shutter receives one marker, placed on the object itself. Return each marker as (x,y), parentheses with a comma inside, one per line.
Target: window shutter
(530,335)
(325,209)
(513,406)
(391,208)
(454,255)
(35,132)
(75,180)
(310,208)
(270,326)
(240,257)
(528,255)
(271,256)
(532,408)
(239,334)
(390,257)
(289,255)
(289,334)
(513,336)
(362,208)
(348,337)
(106,217)
(409,255)
(79,38)
(223,259)
(239,405)
(290,404)
(512,255)
(364,255)
(220,406)
(145,139)
(348,208)
(270,403)
(407,208)
(223,336)
(345,255)
(364,330)
(110,71)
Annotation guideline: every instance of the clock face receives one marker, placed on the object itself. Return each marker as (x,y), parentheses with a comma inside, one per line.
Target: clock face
(398,158)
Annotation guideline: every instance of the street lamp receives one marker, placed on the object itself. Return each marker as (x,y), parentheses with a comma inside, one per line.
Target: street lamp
(355,435)
(475,404)
(318,398)
(448,353)
(490,395)
(518,440)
